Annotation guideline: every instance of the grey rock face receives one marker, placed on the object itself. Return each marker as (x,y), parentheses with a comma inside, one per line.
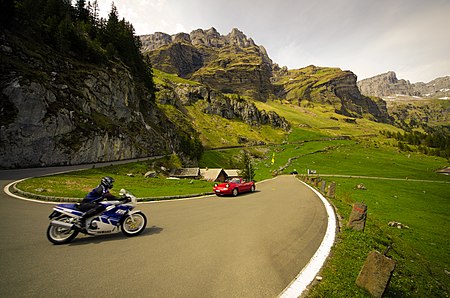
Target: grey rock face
(387,84)
(156,40)
(352,99)
(72,114)
(437,88)
(230,63)
(53,126)
(198,37)
(214,102)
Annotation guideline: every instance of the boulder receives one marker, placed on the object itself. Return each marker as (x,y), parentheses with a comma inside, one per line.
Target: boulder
(358,216)
(376,274)
(150,174)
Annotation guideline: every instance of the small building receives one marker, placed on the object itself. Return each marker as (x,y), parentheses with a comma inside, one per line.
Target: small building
(232,173)
(192,173)
(214,175)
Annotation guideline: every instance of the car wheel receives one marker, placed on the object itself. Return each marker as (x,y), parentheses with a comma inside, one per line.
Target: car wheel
(253,188)
(235,192)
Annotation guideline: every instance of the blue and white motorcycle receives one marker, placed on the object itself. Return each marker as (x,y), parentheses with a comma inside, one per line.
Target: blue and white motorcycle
(118,216)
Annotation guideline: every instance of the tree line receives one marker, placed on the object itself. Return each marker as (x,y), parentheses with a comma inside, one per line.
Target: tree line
(434,141)
(77,30)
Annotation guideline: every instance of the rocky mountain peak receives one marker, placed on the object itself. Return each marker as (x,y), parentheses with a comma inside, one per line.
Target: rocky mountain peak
(199,37)
(386,84)
(210,38)
(238,38)
(231,63)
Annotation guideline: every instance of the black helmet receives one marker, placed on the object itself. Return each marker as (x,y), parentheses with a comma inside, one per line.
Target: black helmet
(107,182)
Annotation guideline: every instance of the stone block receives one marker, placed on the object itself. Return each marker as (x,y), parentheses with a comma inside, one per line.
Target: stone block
(332,190)
(358,216)
(323,186)
(376,274)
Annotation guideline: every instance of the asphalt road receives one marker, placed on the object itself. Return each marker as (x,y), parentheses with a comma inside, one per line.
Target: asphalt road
(249,246)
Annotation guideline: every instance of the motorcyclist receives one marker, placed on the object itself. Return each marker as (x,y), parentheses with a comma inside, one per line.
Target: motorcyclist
(90,205)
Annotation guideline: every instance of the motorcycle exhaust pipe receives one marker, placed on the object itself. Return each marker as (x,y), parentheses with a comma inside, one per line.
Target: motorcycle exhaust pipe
(61,224)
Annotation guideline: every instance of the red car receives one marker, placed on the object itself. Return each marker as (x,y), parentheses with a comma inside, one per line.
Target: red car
(234,187)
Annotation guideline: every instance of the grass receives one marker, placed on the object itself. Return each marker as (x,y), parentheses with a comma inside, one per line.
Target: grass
(218,132)
(161,77)
(421,252)
(78,184)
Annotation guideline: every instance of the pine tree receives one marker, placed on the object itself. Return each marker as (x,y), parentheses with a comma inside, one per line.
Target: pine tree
(82,13)
(246,170)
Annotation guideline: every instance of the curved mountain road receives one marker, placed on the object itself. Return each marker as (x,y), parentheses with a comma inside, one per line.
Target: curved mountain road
(253,245)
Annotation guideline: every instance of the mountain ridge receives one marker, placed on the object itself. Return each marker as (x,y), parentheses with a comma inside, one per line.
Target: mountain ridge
(234,63)
(387,84)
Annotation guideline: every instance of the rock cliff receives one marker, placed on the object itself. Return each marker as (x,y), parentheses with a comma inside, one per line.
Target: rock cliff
(330,86)
(235,64)
(57,111)
(411,105)
(229,63)
(387,84)
(214,102)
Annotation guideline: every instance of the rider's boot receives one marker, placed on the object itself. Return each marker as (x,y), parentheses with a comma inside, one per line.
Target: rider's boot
(80,224)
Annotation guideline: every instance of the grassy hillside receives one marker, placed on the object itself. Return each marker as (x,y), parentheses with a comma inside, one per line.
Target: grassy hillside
(310,84)
(410,192)
(218,132)
(400,186)
(215,131)
(414,111)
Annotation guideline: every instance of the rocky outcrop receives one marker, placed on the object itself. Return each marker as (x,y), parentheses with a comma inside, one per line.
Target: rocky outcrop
(198,37)
(155,41)
(237,108)
(61,112)
(353,102)
(437,88)
(234,64)
(245,80)
(330,86)
(410,105)
(214,102)
(387,84)
(229,63)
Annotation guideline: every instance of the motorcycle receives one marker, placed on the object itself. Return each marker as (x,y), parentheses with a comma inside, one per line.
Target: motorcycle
(118,216)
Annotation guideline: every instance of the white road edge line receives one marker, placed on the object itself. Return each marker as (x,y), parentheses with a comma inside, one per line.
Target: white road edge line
(309,272)
(6,190)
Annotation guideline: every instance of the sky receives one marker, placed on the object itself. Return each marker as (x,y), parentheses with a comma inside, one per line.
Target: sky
(367,37)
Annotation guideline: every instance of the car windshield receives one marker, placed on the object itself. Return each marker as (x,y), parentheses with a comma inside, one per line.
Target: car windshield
(235,180)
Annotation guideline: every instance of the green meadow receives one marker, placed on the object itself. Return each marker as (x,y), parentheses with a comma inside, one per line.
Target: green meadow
(400,186)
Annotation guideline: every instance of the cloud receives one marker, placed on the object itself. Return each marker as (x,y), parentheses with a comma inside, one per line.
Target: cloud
(368,37)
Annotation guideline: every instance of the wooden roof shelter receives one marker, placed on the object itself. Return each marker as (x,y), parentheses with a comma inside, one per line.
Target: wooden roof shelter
(216,175)
(232,173)
(186,173)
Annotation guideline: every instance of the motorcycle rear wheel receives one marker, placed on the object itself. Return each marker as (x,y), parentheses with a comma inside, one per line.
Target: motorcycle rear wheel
(59,235)
(134,224)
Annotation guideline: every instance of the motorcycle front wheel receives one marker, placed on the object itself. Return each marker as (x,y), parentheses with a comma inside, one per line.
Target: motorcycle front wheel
(60,235)
(134,224)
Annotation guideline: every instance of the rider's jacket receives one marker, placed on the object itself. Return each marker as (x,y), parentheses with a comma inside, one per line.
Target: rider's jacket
(98,194)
